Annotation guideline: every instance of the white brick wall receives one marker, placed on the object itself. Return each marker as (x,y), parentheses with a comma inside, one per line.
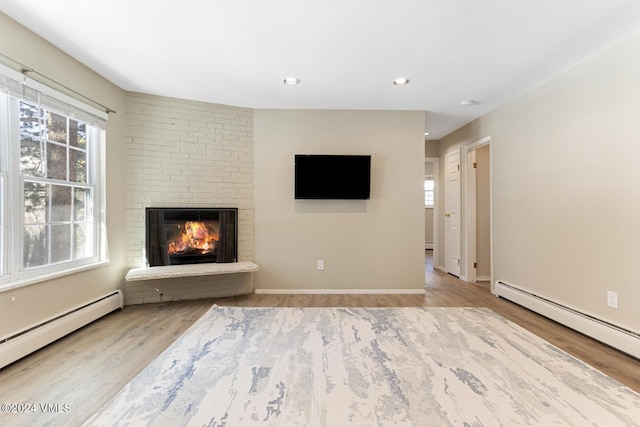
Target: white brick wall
(184,153)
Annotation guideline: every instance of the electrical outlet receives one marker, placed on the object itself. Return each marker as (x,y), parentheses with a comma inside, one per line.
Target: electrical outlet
(612,299)
(320,264)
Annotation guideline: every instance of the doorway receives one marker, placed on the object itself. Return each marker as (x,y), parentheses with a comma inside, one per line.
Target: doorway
(478,217)
(431,181)
(431,209)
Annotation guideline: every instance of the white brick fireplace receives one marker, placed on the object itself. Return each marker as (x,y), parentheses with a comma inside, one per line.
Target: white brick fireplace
(184,153)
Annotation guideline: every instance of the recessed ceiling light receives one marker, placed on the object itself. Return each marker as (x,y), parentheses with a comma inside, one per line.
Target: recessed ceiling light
(291,81)
(401,81)
(427,133)
(469,102)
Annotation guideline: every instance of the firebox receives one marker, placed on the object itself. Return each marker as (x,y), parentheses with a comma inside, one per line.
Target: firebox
(191,235)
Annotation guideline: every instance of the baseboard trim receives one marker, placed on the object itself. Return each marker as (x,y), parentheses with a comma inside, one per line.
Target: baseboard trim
(27,341)
(483,278)
(343,291)
(623,339)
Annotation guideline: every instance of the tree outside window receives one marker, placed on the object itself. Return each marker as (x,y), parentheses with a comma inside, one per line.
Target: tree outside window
(56,191)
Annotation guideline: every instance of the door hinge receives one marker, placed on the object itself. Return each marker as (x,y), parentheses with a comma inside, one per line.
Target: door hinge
(475,165)
(458,261)
(458,167)
(475,265)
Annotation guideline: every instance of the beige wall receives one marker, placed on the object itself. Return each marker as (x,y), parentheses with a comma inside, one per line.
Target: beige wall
(483,202)
(428,227)
(373,244)
(566,210)
(29,305)
(431,148)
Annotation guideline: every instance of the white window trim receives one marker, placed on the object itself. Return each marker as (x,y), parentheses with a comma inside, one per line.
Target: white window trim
(432,179)
(4,239)
(13,276)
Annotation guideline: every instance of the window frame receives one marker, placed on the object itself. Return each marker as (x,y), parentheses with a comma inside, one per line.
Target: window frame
(4,190)
(432,191)
(13,273)
(4,241)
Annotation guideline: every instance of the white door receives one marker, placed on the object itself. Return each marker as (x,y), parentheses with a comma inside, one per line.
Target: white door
(452,212)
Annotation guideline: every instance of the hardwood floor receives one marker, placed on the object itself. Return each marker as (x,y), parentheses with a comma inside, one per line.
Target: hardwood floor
(83,370)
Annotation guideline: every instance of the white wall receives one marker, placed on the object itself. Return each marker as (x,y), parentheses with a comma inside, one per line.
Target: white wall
(375,244)
(566,209)
(29,305)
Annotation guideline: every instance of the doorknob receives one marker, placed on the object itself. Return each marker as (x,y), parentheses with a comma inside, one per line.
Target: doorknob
(447,214)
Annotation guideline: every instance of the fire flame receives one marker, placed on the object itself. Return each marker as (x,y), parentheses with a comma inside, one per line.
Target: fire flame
(196,236)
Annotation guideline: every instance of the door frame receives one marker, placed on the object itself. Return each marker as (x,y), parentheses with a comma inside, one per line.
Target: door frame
(469,191)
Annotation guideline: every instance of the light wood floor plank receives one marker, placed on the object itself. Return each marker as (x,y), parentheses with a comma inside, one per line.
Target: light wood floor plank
(88,367)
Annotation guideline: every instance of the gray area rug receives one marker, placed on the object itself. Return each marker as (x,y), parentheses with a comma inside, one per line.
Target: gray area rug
(366,367)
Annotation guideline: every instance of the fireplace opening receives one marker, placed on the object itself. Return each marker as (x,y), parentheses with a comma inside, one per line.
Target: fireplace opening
(191,235)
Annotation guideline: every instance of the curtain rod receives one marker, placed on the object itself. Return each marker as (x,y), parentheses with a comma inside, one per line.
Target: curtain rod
(25,70)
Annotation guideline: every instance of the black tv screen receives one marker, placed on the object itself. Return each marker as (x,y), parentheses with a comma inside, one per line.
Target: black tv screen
(322,176)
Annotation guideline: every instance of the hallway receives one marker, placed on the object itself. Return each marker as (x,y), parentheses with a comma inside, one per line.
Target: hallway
(446,290)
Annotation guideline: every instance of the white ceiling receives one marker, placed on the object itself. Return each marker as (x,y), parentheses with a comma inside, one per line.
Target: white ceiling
(345,52)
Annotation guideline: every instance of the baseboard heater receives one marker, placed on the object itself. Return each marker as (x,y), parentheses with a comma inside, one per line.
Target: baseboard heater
(620,338)
(27,341)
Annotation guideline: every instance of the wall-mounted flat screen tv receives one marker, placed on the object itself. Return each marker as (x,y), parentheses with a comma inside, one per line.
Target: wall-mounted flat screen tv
(322,176)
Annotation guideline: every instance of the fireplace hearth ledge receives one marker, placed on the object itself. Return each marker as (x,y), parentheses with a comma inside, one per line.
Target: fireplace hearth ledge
(189,270)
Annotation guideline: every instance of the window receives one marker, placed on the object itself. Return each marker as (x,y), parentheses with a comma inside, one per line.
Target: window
(429,189)
(3,242)
(51,215)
